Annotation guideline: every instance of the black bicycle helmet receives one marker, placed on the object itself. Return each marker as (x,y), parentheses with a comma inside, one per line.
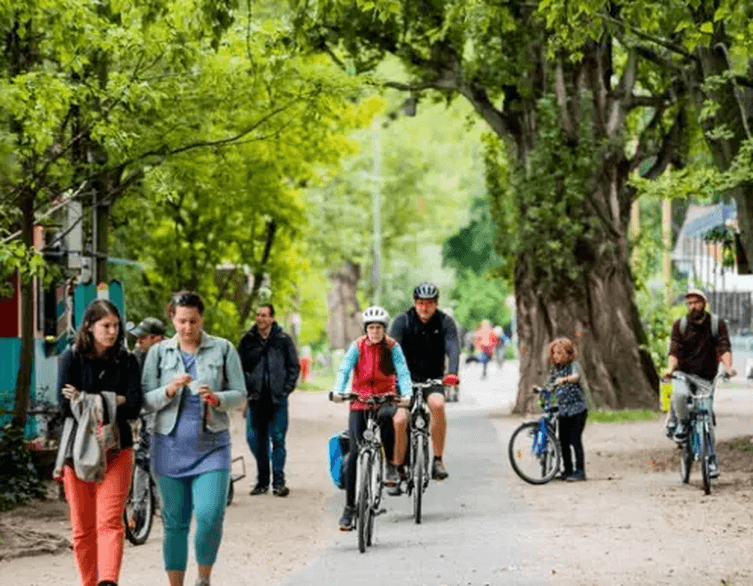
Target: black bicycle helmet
(426,290)
(376,315)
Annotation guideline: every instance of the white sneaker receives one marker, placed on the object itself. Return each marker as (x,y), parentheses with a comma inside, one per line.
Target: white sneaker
(713,467)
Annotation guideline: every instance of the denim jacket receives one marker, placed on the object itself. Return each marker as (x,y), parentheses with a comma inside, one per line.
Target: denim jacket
(217,365)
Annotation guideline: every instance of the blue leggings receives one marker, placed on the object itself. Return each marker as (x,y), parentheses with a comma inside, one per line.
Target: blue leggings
(206,494)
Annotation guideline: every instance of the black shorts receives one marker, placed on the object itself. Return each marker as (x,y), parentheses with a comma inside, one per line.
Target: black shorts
(438,389)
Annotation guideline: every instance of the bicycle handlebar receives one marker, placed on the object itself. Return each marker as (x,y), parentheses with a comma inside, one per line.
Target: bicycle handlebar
(427,384)
(374,400)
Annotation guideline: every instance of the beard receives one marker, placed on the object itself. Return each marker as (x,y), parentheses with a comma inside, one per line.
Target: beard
(697,314)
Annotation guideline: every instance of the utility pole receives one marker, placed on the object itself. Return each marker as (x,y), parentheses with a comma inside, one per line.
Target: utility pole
(376,272)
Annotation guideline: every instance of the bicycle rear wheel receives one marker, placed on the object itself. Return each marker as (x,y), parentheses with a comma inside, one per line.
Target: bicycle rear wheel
(138,515)
(419,468)
(363,501)
(534,452)
(705,457)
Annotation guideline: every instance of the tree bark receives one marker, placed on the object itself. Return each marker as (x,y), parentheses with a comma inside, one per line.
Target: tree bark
(23,379)
(617,372)
(344,323)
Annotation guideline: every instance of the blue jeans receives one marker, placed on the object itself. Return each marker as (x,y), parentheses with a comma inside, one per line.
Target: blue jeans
(265,427)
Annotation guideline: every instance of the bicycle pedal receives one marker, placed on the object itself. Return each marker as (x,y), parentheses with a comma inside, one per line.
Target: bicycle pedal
(380,512)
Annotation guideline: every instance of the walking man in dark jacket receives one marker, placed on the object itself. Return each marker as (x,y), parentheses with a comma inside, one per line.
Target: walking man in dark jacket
(270,366)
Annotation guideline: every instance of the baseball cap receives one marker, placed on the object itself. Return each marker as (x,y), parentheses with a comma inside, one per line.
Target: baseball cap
(697,293)
(149,326)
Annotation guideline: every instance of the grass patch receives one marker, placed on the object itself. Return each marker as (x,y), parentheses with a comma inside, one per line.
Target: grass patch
(743,445)
(607,416)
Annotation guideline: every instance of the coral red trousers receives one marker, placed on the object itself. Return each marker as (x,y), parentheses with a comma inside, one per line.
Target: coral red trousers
(97,528)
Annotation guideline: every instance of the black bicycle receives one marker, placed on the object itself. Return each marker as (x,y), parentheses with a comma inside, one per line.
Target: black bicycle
(369,470)
(141,503)
(418,475)
(534,450)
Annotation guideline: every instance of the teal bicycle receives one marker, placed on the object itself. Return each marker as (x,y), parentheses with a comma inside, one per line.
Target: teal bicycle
(699,446)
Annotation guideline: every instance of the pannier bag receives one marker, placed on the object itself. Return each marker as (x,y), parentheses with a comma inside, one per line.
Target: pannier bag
(338,454)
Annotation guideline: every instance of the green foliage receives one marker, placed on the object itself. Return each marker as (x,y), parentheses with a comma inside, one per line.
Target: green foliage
(480,296)
(19,479)
(472,247)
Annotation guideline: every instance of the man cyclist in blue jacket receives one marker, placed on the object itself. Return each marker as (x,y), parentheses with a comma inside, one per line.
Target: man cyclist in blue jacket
(426,335)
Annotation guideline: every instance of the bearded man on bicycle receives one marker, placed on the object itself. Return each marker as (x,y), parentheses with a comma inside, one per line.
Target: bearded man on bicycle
(427,335)
(698,343)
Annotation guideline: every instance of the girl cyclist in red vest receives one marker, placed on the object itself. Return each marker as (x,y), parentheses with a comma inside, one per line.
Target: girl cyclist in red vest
(376,360)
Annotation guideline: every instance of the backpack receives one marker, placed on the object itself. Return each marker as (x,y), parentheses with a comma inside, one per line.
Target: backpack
(714,326)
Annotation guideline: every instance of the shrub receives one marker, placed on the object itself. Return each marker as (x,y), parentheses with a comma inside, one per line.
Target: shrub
(19,479)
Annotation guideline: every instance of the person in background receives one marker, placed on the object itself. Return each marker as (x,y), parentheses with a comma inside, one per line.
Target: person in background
(191,382)
(149,332)
(270,367)
(96,370)
(564,376)
(485,341)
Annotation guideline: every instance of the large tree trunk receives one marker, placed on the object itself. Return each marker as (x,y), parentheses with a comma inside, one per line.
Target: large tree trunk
(344,323)
(617,372)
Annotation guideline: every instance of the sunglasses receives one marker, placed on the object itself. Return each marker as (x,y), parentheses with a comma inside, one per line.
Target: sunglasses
(426,304)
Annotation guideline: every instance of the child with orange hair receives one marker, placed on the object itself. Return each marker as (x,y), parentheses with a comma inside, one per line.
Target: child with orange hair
(564,376)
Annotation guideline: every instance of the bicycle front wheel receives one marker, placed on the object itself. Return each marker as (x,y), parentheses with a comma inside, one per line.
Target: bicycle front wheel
(419,467)
(686,461)
(139,509)
(534,452)
(363,500)
(705,458)
(375,493)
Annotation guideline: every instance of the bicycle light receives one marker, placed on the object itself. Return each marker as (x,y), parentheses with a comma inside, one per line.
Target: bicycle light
(368,435)
(420,423)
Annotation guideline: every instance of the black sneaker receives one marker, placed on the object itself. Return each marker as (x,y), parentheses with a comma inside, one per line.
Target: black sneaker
(281,490)
(438,471)
(348,520)
(577,475)
(393,476)
(259,489)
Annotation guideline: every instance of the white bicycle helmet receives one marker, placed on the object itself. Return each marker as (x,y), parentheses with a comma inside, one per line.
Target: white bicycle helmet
(426,290)
(376,315)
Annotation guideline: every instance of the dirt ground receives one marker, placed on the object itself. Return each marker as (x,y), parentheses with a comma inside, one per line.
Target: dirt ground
(632,522)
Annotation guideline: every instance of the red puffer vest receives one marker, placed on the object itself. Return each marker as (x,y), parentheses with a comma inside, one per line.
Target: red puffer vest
(368,378)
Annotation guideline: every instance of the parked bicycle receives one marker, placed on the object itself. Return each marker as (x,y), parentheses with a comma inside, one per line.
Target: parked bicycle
(369,470)
(699,445)
(141,503)
(534,449)
(417,474)
(143,500)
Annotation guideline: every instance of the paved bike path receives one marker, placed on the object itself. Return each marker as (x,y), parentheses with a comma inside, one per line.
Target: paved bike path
(475,530)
